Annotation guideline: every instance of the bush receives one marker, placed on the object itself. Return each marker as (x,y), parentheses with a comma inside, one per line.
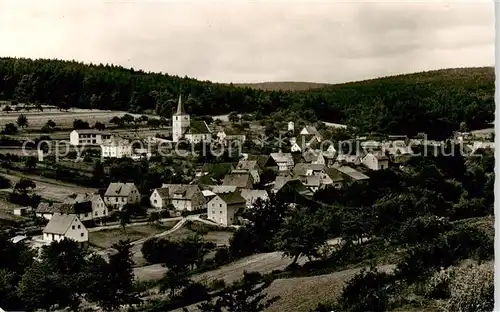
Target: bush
(369,290)
(438,286)
(217,284)
(222,256)
(472,289)
(164,214)
(194,292)
(423,229)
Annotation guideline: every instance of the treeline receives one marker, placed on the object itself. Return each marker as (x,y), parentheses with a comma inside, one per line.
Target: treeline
(434,102)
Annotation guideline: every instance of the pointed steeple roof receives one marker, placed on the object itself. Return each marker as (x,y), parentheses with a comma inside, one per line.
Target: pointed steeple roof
(180,107)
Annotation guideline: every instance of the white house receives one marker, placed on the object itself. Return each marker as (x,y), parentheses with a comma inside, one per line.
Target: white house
(88,137)
(251,196)
(230,135)
(48,210)
(63,226)
(223,207)
(119,194)
(98,208)
(283,160)
(294,147)
(182,197)
(376,161)
(291,126)
(183,127)
(159,198)
(308,130)
(116,147)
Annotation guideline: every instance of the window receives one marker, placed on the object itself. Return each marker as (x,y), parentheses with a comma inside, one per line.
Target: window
(213,211)
(73,227)
(81,234)
(86,214)
(220,205)
(155,201)
(123,199)
(220,212)
(79,226)
(96,213)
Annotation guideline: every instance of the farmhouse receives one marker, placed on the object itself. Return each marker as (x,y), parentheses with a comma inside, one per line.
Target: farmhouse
(239,178)
(116,147)
(310,130)
(63,226)
(159,198)
(376,161)
(231,135)
(284,161)
(252,167)
(119,194)
(181,196)
(88,137)
(223,207)
(98,209)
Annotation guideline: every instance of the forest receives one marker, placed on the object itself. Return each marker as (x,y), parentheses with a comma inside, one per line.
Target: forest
(434,102)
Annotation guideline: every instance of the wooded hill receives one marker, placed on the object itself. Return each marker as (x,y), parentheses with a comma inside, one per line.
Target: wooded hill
(434,102)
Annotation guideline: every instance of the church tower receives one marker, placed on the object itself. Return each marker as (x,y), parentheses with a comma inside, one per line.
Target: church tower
(180,122)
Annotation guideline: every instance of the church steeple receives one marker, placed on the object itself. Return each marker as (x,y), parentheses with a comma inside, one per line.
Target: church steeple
(180,107)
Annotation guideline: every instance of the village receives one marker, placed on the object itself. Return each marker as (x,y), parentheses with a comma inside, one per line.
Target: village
(306,163)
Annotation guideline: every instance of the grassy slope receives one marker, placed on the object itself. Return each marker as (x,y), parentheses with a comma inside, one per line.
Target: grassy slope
(283,85)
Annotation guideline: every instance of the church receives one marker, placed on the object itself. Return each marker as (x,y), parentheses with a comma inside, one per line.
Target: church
(183,128)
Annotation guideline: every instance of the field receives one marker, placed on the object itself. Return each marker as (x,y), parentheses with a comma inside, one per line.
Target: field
(106,238)
(47,188)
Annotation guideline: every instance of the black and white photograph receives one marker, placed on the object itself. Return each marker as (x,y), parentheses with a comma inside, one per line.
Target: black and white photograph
(247,155)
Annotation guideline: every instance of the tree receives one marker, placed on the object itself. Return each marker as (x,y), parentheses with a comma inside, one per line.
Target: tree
(174,280)
(98,174)
(116,120)
(7,109)
(22,121)
(116,285)
(233,117)
(30,162)
(99,126)
(10,129)
(80,124)
(24,184)
(303,232)
(124,216)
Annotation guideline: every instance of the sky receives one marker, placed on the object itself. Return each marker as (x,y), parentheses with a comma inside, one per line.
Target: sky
(255,41)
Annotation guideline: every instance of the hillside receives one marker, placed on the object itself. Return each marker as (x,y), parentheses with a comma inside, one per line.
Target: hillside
(283,85)
(435,102)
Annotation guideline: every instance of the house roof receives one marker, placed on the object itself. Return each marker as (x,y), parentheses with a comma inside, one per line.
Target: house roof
(233,131)
(91,131)
(311,180)
(219,189)
(379,155)
(198,127)
(303,168)
(263,160)
(119,189)
(59,223)
(66,207)
(187,191)
(310,155)
(252,195)
(247,165)
(180,107)
(239,179)
(280,181)
(116,141)
(353,173)
(208,193)
(334,174)
(162,192)
(312,130)
(232,198)
(282,157)
(298,186)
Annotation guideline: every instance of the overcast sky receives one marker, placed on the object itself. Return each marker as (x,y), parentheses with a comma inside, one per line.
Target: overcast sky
(242,41)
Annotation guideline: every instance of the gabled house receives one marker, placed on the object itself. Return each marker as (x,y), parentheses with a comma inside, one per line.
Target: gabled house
(82,201)
(351,175)
(67,226)
(184,196)
(239,178)
(313,157)
(218,189)
(376,161)
(310,130)
(230,135)
(223,207)
(252,167)
(119,194)
(48,210)
(294,191)
(302,169)
(88,137)
(264,162)
(198,131)
(159,198)
(116,147)
(348,159)
(336,178)
(284,161)
(294,146)
(251,196)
